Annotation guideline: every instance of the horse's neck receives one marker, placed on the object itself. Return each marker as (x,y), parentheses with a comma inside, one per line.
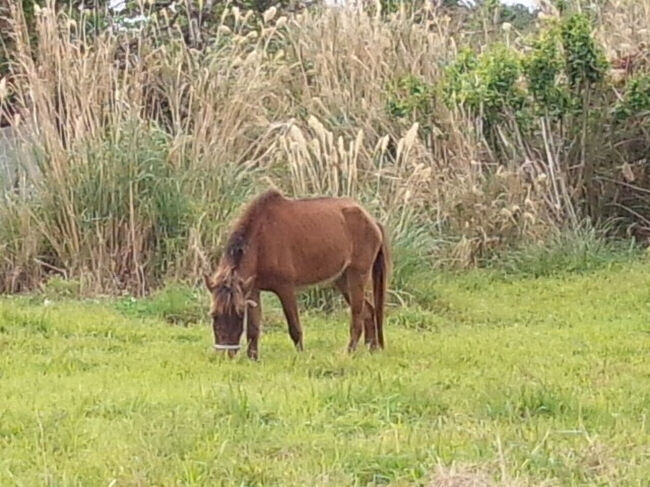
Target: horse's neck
(247,267)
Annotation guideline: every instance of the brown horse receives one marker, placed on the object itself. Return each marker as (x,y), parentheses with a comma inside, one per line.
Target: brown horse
(281,245)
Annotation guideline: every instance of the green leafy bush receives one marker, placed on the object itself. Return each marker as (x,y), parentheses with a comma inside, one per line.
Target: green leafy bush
(585,60)
(409,97)
(636,101)
(544,67)
(487,84)
(564,59)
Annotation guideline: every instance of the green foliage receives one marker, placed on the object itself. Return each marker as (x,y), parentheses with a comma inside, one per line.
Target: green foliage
(461,83)
(487,84)
(410,97)
(325,299)
(544,67)
(413,259)
(564,59)
(636,101)
(498,71)
(585,59)
(390,6)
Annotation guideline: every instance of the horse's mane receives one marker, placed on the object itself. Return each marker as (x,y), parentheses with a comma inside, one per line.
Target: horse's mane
(226,281)
(241,232)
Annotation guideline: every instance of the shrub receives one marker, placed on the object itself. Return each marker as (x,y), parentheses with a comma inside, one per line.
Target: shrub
(636,101)
(544,68)
(584,58)
(410,97)
(488,85)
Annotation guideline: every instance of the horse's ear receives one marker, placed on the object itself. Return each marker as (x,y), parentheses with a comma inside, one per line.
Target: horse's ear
(208,282)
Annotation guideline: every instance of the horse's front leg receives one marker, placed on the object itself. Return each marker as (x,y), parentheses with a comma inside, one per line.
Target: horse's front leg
(287,297)
(254,328)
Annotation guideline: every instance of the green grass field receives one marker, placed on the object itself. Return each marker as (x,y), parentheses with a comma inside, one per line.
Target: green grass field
(492,380)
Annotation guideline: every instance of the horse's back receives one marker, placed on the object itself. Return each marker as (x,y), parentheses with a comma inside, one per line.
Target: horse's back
(314,240)
(340,218)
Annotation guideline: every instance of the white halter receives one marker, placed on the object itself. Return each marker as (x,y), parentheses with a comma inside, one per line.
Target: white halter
(245,332)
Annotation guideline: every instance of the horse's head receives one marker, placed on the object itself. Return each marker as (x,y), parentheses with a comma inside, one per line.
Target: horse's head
(229,308)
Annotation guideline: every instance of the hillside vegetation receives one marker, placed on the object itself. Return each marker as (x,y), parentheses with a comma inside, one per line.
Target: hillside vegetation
(469,136)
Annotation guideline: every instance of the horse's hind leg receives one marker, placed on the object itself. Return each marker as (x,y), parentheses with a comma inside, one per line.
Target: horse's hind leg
(369,326)
(290,307)
(356,287)
(365,237)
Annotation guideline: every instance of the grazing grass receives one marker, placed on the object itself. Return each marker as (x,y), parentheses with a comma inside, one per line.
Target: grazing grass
(507,382)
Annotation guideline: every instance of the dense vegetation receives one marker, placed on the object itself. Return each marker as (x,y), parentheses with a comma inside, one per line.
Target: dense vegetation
(472,133)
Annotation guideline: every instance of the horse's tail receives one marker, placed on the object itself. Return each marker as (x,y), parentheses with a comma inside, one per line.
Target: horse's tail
(380,274)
